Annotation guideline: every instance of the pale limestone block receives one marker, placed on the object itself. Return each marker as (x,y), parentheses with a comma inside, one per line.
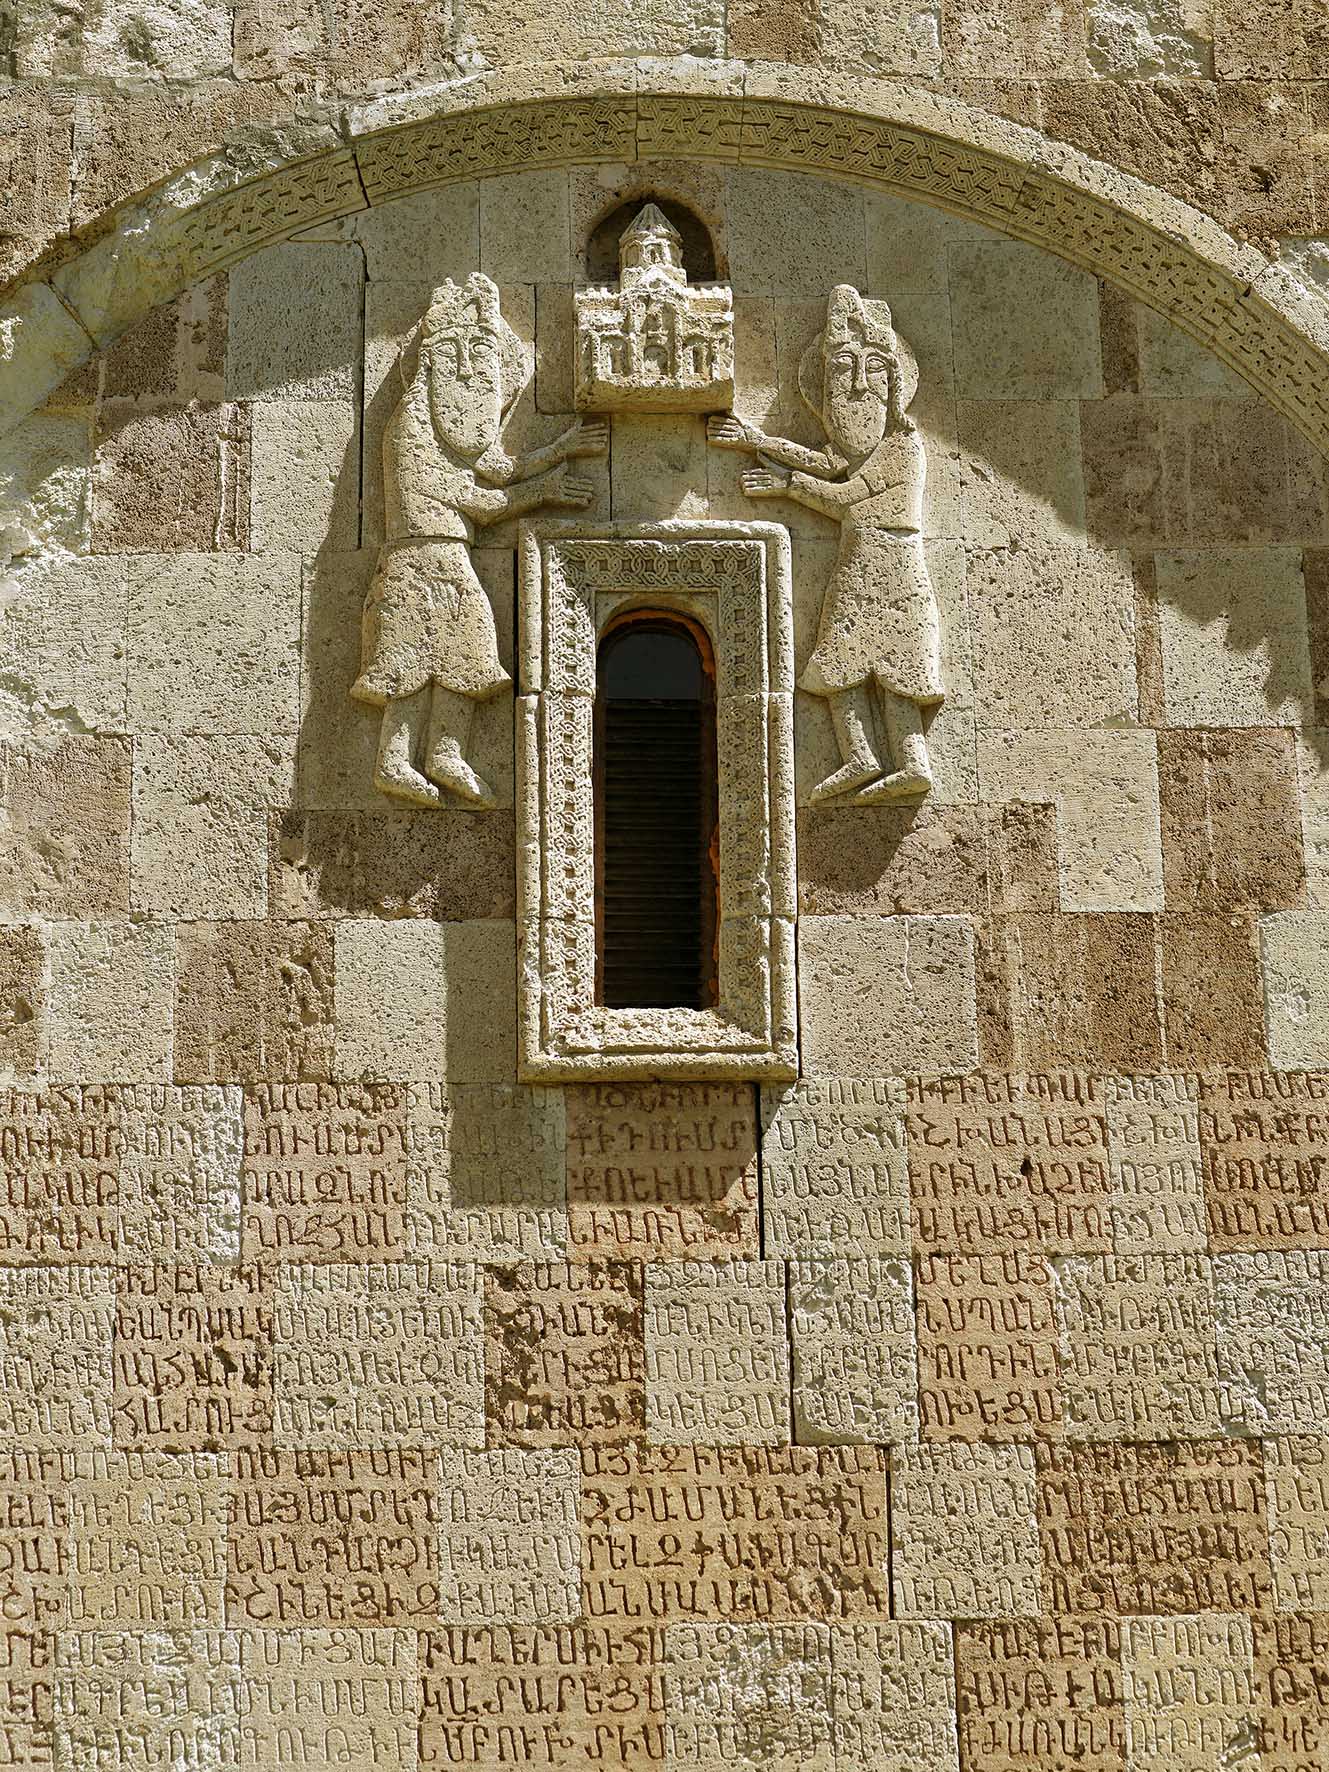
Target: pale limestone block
(488,1178)
(40,342)
(1173,366)
(148,1537)
(1138,1346)
(1154,1158)
(181,1152)
(481,1044)
(903,37)
(1054,638)
(909,244)
(717,1355)
(965,1531)
(425,1000)
(381,1354)
(1025,324)
(525,230)
(1296,1481)
(1272,1311)
(1313,775)
(45,481)
(199,844)
(893,1697)
(1020,476)
(566,32)
(658,466)
(323,1699)
(855,1366)
(756,386)
(62,643)
(1104,786)
(295,316)
(1232,623)
(427,237)
(126,39)
(111,994)
(304,485)
(56,1328)
(142,1700)
(882,995)
(835,1168)
(1294,961)
(509,1539)
(214,643)
(749,1695)
(952,736)
(791,236)
(1143,39)
(391,998)
(1192,1704)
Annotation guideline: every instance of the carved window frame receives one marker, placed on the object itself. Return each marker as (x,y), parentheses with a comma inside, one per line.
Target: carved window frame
(734,580)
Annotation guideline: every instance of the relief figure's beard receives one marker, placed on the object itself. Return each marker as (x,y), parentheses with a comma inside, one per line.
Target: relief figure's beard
(468,415)
(858,425)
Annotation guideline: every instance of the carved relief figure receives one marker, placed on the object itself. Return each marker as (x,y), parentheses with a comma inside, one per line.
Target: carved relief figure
(430,647)
(879,627)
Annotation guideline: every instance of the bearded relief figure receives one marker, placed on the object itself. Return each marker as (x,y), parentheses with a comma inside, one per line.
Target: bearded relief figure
(879,633)
(430,647)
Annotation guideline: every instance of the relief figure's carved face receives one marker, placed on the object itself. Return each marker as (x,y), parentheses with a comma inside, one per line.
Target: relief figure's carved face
(466,389)
(857,394)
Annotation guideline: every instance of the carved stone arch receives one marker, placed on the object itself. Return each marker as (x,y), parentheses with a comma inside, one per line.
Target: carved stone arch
(1247,310)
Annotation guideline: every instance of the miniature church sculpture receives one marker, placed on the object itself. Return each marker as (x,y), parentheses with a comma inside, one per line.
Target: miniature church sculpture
(654,344)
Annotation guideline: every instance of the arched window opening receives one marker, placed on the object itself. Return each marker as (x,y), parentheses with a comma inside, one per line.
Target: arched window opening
(656,816)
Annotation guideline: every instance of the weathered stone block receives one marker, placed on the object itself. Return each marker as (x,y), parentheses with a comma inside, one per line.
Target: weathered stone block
(199,846)
(1234,638)
(112,995)
(214,643)
(889,994)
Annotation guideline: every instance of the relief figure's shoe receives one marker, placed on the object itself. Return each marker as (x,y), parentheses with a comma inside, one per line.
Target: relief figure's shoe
(849,776)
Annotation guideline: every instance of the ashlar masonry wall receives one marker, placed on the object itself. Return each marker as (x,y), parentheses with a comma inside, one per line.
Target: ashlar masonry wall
(960,1405)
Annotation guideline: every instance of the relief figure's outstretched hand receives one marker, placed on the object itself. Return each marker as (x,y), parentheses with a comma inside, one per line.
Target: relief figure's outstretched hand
(563,487)
(765,482)
(730,432)
(586,437)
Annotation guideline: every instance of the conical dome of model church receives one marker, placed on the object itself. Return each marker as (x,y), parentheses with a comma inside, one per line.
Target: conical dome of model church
(652,242)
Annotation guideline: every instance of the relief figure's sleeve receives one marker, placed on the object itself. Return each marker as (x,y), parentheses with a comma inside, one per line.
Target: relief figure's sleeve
(832,498)
(490,504)
(793,455)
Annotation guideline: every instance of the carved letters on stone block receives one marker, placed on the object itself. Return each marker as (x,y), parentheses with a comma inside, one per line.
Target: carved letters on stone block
(880,630)
(653,344)
(733,579)
(430,648)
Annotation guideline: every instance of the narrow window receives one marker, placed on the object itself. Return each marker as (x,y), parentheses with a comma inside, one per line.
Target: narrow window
(656,818)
